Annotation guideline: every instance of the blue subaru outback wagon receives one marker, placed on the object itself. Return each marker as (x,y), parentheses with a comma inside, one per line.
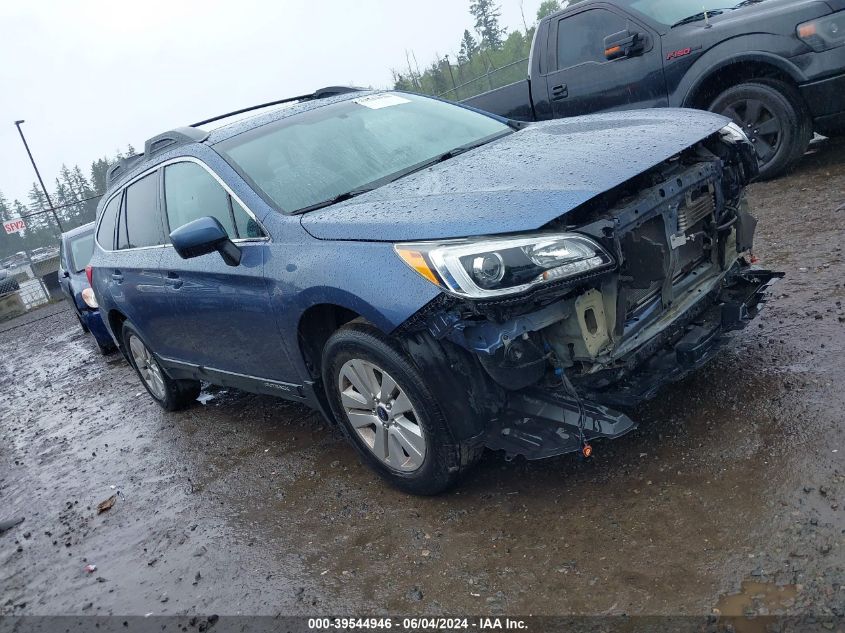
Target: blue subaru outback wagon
(432,278)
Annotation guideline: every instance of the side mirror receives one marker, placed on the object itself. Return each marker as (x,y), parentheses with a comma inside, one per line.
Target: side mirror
(65,274)
(623,44)
(203,236)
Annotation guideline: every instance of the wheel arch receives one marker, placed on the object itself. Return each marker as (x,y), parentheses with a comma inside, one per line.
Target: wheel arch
(116,319)
(735,71)
(316,324)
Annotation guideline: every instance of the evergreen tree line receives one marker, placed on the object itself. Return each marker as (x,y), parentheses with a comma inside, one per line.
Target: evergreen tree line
(75,197)
(486,59)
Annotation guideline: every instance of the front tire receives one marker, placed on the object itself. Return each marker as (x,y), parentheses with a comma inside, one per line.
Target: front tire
(773,116)
(170,394)
(386,410)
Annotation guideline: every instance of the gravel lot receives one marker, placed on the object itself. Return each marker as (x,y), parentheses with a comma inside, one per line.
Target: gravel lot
(729,496)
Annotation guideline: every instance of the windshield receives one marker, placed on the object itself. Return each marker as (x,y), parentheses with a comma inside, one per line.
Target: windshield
(314,157)
(81,250)
(671,11)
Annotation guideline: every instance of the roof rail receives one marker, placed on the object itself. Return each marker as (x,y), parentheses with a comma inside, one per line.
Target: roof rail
(179,136)
(121,167)
(322,93)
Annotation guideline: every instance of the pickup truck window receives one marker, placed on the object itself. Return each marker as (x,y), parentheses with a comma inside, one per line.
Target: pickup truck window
(580,37)
(349,146)
(669,13)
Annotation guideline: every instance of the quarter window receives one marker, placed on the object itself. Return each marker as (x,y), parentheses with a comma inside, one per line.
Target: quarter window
(190,192)
(142,226)
(580,38)
(105,234)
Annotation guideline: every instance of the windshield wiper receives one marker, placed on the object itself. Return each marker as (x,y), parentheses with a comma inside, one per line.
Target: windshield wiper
(701,16)
(341,197)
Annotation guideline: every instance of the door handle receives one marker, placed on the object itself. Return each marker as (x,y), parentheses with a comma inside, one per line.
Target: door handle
(560,92)
(173,280)
(117,276)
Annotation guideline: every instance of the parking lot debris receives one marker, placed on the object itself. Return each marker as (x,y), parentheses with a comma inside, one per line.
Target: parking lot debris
(8,524)
(103,506)
(90,568)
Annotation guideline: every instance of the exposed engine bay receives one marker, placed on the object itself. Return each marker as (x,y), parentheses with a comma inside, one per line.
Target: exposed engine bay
(681,236)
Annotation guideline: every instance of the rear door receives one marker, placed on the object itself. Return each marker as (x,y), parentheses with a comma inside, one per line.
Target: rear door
(227,324)
(135,272)
(586,81)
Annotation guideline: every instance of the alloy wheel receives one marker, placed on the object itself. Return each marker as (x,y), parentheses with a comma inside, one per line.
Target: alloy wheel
(382,415)
(762,127)
(147,367)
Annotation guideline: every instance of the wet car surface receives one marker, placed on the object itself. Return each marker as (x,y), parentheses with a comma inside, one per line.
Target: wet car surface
(249,504)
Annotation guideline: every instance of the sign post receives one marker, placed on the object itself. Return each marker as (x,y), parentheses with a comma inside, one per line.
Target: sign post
(15,225)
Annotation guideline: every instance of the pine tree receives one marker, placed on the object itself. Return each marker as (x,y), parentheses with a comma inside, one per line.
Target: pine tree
(486,16)
(98,175)
(469,47)
(547,7)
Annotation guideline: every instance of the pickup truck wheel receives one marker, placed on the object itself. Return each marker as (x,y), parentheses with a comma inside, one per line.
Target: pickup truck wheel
(773,117)
(386,410)
(170,394)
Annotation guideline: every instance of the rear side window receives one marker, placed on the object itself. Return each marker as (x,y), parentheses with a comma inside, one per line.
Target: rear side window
(580,38)
(142,223)
(105,234)
(190,192)
(81,249)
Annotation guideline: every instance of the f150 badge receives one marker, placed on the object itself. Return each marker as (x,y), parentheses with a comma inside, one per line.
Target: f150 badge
(681,52)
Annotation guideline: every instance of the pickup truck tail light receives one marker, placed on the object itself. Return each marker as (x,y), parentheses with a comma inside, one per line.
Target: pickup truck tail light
(89,272)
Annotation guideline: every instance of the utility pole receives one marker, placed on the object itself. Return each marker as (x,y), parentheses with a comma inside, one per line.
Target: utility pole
(37,173)
(454,87)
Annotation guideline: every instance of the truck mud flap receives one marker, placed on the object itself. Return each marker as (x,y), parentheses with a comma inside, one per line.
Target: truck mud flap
(538,424)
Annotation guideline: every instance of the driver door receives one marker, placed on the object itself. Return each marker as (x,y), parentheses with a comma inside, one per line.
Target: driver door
(587,81)
(222,312)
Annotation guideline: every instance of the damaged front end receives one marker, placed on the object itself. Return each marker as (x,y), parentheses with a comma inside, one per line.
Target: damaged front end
(650,277)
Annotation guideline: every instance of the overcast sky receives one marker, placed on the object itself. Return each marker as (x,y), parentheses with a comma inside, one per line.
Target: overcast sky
(91,76)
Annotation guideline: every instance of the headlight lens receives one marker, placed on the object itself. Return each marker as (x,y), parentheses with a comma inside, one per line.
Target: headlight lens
(734,133)
(494,267)
(89,298)
(824,33)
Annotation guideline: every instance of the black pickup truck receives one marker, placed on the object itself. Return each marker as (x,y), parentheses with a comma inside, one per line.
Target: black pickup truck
(776,67)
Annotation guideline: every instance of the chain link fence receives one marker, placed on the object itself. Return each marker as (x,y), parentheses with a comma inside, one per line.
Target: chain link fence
(29,258)
(492,79)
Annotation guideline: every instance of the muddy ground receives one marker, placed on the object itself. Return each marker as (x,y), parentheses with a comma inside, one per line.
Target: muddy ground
(734,482)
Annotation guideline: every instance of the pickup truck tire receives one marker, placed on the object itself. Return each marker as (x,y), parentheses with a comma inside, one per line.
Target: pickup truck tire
(170,394)
(369,380)
(775,119)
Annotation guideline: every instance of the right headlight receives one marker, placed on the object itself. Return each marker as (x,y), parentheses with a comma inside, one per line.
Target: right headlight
(485,268)
(824,33)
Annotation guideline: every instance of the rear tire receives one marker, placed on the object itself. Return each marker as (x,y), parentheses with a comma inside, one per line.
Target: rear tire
(170,394)
(399,430)
(773,115)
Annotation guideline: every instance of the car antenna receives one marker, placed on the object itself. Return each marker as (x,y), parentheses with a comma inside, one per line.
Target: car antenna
(707,24)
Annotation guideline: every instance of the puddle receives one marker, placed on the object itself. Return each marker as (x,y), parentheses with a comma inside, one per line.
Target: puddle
(752,609)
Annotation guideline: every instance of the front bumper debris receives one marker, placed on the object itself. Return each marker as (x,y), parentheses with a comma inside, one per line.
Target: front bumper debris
(540,423)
